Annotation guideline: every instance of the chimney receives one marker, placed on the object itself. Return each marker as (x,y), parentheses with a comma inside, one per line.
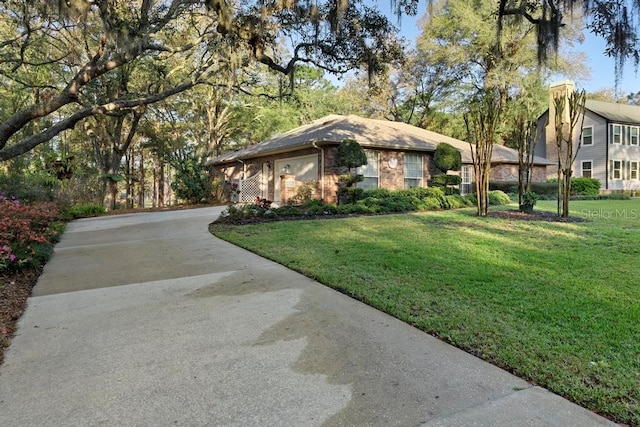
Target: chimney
(563,90)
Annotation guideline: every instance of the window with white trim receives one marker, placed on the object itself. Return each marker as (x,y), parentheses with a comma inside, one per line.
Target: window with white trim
(633,170)
(412,170)
(370,171)
(586,167)
(616,132)
(616,169)
(634,133)
(466,175)
(587,136)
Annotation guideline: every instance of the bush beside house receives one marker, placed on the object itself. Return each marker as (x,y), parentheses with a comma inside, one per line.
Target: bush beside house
(377,201)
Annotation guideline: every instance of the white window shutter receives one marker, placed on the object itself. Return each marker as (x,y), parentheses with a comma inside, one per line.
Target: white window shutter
(610,169)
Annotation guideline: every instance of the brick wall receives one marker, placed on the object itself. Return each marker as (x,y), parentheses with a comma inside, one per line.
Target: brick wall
(390,177)
(509,172)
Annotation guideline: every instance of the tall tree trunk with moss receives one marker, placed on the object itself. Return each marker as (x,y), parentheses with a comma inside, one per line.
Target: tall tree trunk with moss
(482,121)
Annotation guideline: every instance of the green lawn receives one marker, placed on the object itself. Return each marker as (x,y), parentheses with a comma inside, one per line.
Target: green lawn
(556,303)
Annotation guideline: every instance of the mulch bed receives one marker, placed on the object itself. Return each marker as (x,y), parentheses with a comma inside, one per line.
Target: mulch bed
(15,288)
(535,216)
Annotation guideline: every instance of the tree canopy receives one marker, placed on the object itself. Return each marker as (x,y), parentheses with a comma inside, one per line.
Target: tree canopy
(61,61)
(616,21)
(57,56)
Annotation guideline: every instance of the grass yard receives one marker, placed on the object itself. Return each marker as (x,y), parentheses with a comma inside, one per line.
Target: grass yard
(555,303)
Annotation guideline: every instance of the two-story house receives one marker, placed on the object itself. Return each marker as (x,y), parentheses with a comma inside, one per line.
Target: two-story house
(609,144)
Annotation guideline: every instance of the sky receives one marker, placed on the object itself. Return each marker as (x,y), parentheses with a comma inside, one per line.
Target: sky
(601,67)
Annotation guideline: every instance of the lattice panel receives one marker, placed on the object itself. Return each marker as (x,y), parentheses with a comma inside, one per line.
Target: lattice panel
(250,188)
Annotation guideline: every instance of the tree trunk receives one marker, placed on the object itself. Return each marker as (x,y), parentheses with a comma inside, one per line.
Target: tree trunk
(110,193)
(141,181)
(567,194)
(559,187)
(129,186)
(161,185)
(154,186)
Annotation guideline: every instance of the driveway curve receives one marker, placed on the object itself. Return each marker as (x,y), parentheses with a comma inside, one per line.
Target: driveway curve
(147,319)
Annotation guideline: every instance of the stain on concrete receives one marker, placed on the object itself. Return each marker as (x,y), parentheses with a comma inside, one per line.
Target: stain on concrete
(244,282)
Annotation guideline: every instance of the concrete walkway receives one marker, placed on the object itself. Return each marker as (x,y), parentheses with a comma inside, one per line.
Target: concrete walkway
(148,320)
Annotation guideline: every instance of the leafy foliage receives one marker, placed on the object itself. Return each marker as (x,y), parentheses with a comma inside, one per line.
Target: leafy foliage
(376,201)
(191,182)
(60,54)
(585,186)
(303,194)
(497,197)
(350,154)
(84,210)
(447,158)
(26,233)
(445,180)
(28,187)
(348,195)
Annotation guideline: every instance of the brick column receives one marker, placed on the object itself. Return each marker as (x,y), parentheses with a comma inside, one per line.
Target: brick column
(287,187)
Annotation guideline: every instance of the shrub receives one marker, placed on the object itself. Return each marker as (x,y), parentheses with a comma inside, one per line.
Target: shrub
(26,233)
(237,213)
(529,198)
(497,197)
(543,189)
(354,208)
(426,192)
(84,210)
(446,180)
(448,191)
(377,193)
(191,181)
(288,210)
(399,204)
(350,154)
(430,203)
(313,203)
(456,201)
(303,194)
(585,186)
(29,188)
(321,209)
(349,194)
(446,157)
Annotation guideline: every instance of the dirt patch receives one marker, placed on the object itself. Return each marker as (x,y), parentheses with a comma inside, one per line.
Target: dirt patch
(535,216)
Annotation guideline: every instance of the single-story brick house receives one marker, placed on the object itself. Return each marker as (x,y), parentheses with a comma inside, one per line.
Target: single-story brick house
(399,156)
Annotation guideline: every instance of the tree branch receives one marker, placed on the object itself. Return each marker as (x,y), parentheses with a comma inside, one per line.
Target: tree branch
(28,144)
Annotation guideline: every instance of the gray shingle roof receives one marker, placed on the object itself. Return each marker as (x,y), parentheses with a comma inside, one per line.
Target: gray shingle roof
(621,113)
(369,133)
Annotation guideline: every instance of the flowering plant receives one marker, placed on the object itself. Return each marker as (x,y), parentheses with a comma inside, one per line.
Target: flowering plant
(25,228)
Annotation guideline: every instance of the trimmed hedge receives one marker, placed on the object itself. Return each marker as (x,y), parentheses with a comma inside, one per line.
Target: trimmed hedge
(585,186)
(375,202)
(545,189)
(445,180)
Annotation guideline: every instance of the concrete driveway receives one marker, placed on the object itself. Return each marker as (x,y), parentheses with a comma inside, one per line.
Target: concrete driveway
(147,319)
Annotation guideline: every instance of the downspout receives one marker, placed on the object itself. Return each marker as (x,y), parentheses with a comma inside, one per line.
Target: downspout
(606,156)
(321,169)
